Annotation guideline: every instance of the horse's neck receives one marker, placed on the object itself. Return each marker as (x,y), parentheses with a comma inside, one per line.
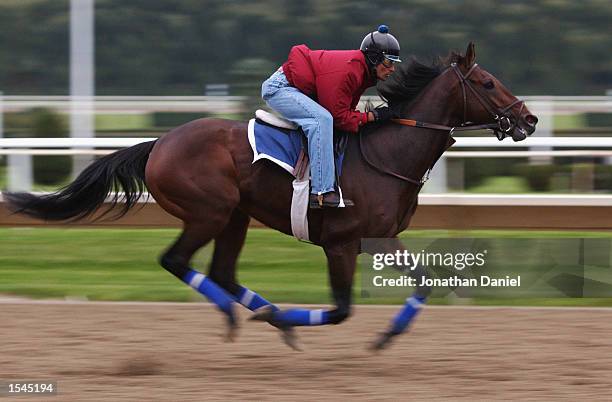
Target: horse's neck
(437,103)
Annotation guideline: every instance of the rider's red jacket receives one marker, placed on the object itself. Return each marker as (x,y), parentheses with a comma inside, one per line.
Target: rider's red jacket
(336,79)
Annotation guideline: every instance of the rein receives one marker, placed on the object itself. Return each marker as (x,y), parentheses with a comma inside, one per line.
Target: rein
(422,124)
(502,126)
(503,122)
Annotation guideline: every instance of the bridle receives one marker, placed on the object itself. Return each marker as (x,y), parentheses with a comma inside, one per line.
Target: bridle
(505,121)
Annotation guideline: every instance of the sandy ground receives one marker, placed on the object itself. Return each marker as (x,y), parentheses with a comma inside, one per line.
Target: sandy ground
(174,352)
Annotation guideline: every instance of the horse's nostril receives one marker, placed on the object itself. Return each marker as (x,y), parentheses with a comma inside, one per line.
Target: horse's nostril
(531,120)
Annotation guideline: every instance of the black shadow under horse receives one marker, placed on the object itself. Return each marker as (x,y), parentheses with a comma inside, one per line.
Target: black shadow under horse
(202,173)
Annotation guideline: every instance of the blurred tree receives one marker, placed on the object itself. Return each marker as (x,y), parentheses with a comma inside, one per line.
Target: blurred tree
(157,47)
(34,47)
(50,169)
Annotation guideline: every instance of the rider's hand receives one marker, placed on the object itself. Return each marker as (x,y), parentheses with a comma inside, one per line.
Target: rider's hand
(383,113)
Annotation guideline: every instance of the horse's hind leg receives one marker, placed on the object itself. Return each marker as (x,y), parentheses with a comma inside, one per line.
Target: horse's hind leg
(228,245)
(341,264)
(176,261)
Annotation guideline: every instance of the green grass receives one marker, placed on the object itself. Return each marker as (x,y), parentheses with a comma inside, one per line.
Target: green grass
(501,185)
(569,121)
(130,121)
(121,264)
(3,178)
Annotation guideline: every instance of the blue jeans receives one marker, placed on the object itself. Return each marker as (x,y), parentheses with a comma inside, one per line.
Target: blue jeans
(316,122)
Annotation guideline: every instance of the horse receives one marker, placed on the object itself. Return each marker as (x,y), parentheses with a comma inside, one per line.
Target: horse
(202,173)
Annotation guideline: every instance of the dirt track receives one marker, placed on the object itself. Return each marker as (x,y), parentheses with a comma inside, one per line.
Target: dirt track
(124,352)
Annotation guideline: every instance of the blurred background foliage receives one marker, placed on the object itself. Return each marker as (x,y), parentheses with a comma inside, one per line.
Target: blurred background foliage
(187,47)
(50,169)
(177,47)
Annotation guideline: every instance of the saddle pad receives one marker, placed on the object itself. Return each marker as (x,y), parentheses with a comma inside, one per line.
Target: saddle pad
(279,145)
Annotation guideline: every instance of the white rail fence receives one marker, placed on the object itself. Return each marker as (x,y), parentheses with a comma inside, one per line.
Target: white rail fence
(69,146)
(541,145)
(20,151)
(498,200)
(229,104)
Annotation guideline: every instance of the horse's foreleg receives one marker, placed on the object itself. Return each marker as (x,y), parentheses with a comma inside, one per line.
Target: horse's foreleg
(412,306)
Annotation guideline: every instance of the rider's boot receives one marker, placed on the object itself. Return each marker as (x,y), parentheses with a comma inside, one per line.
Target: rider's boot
(327,200)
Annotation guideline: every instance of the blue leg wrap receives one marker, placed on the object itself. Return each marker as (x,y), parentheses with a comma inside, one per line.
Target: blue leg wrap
(252,300)
(406,315)
(301,317)
(211,290)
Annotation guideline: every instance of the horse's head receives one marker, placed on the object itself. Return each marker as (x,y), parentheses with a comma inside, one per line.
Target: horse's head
(487,101)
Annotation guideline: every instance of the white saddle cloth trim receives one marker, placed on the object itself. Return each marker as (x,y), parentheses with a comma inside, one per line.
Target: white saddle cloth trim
(275,120)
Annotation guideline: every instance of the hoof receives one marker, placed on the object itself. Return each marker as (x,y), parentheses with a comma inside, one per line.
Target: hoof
(290,338)
(232,332)
(382,342)
(232,327)
(265,313)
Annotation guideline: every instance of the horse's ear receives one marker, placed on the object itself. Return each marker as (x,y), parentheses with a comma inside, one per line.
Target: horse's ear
(470,55)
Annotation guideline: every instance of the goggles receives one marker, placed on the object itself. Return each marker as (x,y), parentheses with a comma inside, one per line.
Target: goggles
(389,60)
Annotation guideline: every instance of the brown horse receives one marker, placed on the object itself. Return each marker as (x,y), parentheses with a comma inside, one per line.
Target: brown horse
(202,173)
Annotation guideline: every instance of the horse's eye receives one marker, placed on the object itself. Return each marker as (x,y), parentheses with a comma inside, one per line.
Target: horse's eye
(489,85)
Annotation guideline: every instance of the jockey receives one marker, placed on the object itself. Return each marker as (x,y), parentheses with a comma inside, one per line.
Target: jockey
(318,90)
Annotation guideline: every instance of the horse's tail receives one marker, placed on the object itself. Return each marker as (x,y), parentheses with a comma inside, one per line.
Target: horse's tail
(122,170)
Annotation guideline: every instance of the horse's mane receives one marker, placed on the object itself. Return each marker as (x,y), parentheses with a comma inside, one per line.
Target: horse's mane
(410,78)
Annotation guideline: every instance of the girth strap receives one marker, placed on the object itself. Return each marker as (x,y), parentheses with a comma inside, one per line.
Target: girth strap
(389,172)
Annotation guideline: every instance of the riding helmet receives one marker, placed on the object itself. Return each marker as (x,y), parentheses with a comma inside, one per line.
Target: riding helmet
(379,45)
